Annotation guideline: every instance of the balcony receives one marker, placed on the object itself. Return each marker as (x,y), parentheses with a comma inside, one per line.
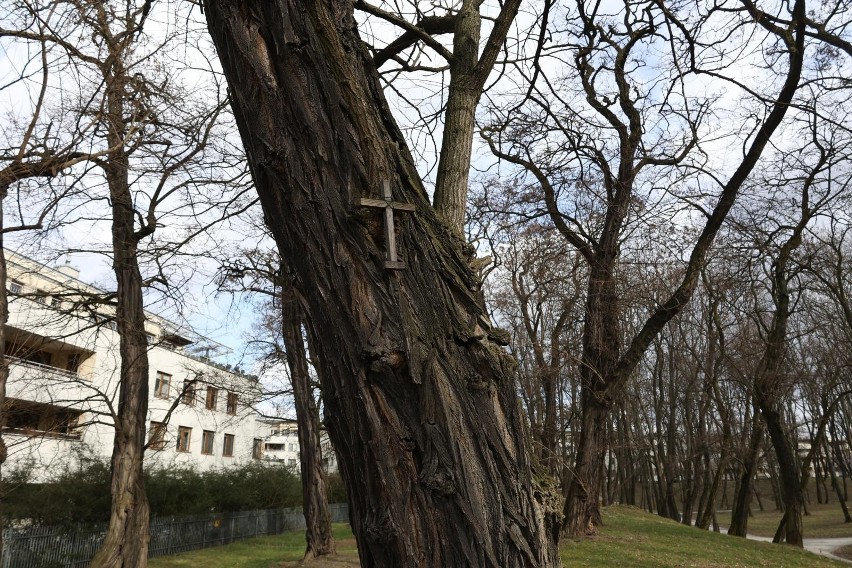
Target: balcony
(41,368)
(34,419)
(44,383)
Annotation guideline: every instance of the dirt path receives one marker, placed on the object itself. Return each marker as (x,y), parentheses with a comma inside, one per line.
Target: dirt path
(340,561)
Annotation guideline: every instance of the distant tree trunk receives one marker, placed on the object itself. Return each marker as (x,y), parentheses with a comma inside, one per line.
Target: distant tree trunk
(847,518)
(745,484)
(835,455)
(320,541)
(420,400)
(126,541)
(790,528)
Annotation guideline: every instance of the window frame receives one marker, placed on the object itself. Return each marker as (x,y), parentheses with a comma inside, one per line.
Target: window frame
(161,386)
(208,440)
(157,435)
(257,448)
(231,406)
(228,446)
(15,287)
(188,395)
(208,403)
(179,446)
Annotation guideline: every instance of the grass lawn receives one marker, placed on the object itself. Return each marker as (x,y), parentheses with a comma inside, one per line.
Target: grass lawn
(635,539)
(630,538)
(262,552)
(825,521)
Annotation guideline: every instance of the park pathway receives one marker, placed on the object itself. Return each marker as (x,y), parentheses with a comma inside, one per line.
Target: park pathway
(827,546)
(822,546)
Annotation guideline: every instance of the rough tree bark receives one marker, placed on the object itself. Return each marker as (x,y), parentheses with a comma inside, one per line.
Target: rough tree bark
(126,541)
(320,541)
(420,399)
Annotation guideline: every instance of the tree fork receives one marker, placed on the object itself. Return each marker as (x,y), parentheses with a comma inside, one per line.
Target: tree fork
(420,401)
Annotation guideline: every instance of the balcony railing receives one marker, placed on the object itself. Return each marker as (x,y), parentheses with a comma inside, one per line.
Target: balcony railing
(41,366)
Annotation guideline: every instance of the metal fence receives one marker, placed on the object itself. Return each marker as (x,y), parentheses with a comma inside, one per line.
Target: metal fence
(60,547)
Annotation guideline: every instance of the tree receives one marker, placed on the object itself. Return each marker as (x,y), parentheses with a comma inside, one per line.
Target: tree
(419,397)
(468,71)
(607,153)
(812,180)
(155,145)
(282,339)
(32,155)
(534,285)
(320,541)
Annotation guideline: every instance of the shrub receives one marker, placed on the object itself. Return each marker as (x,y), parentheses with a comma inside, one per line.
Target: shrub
(82,495)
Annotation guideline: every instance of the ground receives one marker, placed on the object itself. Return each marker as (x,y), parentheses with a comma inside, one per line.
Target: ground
(338,562)
(630,537)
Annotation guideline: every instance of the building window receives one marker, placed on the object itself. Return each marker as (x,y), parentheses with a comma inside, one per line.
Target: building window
(212,397)
(56,301)
(39,419)
(15,287)
(291,462)
(183,439)
(161,385)
(232,403)
(188,393)
(257,449)
(207,442)
(228,446)
(157,436)
(40,297)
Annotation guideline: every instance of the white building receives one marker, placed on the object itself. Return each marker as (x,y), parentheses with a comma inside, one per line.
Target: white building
(280,443)
(64,376)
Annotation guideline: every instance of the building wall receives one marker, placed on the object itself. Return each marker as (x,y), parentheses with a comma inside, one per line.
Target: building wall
(281,443)
(63,360)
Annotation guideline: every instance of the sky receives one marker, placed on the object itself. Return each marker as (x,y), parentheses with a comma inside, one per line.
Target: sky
(189,68)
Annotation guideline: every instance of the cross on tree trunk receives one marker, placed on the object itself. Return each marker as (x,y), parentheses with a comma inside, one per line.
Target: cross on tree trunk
(389,205)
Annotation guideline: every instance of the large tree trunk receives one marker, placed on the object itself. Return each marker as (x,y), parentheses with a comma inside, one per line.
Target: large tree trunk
(601,349)
(582,501)
(126,541)
(420,401)
(790,527)
(320,541)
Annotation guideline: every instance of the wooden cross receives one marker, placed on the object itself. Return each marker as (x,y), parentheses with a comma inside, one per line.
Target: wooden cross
(389,205)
